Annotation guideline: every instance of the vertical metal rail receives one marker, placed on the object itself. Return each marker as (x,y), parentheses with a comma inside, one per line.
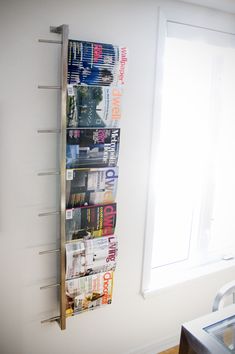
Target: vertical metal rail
(64,31)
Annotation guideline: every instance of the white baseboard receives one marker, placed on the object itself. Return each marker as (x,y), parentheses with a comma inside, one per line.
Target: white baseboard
(157,346)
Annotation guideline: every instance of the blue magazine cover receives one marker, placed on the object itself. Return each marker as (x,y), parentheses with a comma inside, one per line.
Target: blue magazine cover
(91,63)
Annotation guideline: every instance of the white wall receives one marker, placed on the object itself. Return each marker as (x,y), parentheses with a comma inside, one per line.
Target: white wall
(131,324)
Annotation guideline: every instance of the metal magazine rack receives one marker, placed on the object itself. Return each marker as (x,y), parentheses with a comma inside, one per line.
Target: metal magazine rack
(89,146)
(62,30)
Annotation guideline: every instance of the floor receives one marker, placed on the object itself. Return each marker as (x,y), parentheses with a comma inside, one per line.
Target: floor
(174,350)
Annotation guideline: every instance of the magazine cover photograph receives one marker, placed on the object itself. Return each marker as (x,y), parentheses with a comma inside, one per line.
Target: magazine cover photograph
(93,106)
(91,186)
(87,293)
(86,257)
(75,259)
(91,221)
(92,147)
(98,64)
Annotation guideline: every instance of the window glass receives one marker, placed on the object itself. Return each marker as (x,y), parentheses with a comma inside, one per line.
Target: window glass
(194,196)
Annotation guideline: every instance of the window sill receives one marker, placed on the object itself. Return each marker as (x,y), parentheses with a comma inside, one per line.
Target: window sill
(171,279)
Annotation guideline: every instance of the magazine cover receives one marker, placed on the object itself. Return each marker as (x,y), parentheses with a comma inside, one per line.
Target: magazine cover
(75,259)
(101,254)
(92,147)
(93,106)
(99,64)
(91,186)
(90,221)
(87,293)
(86,257)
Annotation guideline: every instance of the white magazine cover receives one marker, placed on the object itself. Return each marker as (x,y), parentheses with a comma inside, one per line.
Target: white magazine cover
(75,259)
(101,254)
(92,256)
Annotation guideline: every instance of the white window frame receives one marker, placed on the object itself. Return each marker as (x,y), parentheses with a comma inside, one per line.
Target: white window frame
(171,15)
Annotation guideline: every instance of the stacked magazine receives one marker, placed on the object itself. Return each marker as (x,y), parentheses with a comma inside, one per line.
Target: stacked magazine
(90,221)
(96,76)
(90,186)
(92,147)
(85,257)
(93,106)
(87,293)
(96,64)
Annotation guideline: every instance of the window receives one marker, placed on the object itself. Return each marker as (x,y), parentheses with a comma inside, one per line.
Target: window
(190,225)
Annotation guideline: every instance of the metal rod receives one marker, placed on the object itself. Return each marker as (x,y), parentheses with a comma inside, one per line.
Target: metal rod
(48,173)
(52,319)
(64,73)
(57,30)
(49,286)
(64,31)
(49,251)
(49,41)
(49,87)
(49,131)
(57,212)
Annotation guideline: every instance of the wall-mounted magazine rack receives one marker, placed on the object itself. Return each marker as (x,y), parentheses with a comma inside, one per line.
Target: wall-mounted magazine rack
(62,30)
(92,77)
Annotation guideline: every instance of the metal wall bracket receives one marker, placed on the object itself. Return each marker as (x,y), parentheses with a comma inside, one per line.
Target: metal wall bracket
(63,30)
